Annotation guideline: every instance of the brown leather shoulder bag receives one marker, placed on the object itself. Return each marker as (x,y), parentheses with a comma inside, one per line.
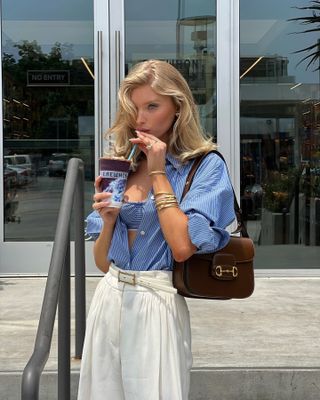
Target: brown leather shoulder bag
(225,274)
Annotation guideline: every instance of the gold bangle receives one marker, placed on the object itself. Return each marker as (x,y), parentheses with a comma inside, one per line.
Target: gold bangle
(167,206)
(166,202)
(165,198)
(157,173)
(158,193)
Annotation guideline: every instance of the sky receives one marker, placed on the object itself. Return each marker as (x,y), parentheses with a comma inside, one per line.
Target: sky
(47,10)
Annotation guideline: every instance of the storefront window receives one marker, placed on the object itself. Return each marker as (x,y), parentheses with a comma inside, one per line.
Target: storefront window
(48,109)
(280,132)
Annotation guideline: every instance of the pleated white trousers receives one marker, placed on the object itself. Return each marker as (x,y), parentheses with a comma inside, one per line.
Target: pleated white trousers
(137,344)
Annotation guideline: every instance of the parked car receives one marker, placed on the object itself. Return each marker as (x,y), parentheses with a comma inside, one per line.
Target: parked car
(58,163)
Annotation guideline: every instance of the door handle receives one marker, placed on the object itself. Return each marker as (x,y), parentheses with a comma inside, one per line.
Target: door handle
(99,91)
(117,61)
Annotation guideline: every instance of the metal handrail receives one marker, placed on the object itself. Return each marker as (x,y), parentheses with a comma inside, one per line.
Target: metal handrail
(58,291)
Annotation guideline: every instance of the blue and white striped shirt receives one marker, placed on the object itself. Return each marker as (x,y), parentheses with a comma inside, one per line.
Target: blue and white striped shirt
(208,205)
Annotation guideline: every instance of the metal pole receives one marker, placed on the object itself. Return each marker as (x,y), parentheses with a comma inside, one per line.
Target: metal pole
(55,286)
(64,330)
(80,284)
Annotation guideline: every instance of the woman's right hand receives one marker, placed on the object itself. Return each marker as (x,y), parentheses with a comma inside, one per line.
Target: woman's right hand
(102,204)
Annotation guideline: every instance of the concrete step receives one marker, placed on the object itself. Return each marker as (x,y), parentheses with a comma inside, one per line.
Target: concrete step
(206,384)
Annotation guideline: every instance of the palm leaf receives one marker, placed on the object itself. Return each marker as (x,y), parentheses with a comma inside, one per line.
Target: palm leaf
(313,19)
(315,56)
(307,48)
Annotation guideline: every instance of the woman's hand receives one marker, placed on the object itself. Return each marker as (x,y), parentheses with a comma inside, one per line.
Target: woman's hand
(102,204)
(154,149)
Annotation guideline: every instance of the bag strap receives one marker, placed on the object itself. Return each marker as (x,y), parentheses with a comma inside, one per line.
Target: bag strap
(240,224)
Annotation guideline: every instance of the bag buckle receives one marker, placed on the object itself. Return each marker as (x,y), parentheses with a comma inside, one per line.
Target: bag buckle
(225,272)
(127,277)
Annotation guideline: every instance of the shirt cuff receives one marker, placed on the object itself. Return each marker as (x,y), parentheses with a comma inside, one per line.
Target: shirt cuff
(207,239)
(94,225)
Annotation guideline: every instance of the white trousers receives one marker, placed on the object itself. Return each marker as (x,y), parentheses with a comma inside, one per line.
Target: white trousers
(137,344)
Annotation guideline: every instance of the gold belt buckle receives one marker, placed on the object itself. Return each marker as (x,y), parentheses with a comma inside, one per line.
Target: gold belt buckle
(127,277)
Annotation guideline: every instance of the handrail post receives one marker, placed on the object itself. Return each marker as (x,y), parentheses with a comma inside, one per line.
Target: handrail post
(79,267)
(57,290)
(64,329)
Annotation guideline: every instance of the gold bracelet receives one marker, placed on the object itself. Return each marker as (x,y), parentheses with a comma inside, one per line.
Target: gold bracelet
(159,203)
(166,197)
(162,203)
(157,173)
(167,206)
(158,193)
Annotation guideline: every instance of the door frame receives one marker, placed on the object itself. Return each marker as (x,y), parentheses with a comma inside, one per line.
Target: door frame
(228,83)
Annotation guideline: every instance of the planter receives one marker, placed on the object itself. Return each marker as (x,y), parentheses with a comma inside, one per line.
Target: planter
(315,221)
(275,227)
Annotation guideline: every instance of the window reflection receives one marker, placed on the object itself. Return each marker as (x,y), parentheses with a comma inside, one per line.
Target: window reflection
(48,110)
(182,32)
(280,136)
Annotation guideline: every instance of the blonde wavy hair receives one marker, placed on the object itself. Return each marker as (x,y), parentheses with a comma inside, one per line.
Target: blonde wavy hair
(187,139)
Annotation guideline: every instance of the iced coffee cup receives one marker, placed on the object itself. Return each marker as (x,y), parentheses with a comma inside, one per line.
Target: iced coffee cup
(114,173)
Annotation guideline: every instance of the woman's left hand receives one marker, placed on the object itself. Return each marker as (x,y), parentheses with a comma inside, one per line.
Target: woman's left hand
(154,149)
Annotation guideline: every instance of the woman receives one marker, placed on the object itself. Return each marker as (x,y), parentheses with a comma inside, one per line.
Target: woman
(138,344)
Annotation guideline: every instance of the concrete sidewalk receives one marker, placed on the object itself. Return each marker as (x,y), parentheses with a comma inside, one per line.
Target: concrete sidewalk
(264,347)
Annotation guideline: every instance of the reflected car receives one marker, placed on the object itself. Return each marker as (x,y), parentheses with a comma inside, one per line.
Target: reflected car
(58,163)
(10,179)
(10,195)
(22,160)
(24,175)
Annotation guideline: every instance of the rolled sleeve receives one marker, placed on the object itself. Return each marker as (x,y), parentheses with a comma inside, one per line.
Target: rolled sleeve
(209,205)
(93,225)
(205,237)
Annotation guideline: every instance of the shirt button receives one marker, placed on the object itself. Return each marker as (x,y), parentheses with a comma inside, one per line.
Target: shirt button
(142,233)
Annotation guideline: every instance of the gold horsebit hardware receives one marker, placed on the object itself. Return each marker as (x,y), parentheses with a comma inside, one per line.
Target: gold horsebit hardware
(220,271)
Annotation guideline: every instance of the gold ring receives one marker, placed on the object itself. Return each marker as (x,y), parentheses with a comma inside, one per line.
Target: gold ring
(149,146)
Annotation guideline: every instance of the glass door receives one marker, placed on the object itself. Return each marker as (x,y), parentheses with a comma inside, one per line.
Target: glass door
(47,54)
(181,32)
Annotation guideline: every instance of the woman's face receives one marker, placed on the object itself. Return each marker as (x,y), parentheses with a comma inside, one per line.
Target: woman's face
(155,112)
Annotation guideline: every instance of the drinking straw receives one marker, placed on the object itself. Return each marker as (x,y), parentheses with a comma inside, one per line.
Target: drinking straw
(132,152)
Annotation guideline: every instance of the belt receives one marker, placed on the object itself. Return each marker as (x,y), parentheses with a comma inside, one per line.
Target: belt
(133,279)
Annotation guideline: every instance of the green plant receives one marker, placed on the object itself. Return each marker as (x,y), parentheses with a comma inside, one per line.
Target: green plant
(279,189)
(315,186)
